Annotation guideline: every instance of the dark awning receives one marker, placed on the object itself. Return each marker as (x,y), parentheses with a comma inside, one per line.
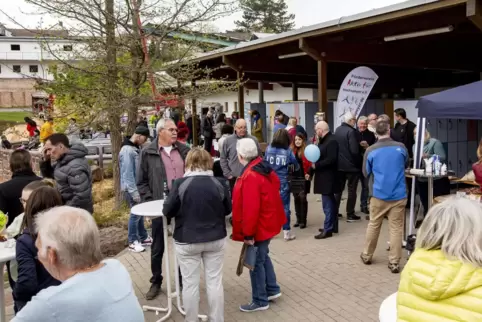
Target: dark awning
(463,102)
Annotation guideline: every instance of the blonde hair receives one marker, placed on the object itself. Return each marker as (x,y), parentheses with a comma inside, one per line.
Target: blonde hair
(453,227)
(293,121)
(198,159)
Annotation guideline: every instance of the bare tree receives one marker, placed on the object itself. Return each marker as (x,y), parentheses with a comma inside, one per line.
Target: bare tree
(105,74)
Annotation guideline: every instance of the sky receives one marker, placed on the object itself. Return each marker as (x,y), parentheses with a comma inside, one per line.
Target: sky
(308,12)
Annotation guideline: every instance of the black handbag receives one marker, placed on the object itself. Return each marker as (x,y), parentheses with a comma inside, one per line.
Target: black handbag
(297,183)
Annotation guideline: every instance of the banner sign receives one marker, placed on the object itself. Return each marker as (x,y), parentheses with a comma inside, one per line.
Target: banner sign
(354,91)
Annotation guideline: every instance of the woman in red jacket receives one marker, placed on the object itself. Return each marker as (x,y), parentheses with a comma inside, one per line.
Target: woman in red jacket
(258,216)
(300,187)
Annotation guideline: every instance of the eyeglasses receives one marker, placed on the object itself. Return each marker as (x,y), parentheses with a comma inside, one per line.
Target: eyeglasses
(172,130)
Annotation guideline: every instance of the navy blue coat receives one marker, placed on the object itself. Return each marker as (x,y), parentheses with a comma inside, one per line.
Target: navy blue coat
(32,276)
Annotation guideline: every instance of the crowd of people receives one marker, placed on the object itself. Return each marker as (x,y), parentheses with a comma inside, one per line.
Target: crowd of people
(58,257)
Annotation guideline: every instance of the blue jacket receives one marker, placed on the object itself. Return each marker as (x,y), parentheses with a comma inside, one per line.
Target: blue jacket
(128,162)
(32,276)
(384,164)
(279,160)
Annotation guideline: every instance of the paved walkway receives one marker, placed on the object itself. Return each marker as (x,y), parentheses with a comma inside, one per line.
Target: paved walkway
(321,280)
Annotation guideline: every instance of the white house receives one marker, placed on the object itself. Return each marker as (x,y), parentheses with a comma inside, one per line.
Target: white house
(25,55)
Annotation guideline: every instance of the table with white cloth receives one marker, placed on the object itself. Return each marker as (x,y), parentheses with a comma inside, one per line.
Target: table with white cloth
(152,210)
(7,253)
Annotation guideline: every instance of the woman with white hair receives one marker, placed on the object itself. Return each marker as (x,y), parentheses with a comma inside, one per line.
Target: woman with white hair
(442,281)
(258,216)
(92,289)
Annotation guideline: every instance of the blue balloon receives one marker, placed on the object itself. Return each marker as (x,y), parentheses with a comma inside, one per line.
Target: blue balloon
(312,153)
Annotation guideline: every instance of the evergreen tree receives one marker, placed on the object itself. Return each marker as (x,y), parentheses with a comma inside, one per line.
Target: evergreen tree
(270,16)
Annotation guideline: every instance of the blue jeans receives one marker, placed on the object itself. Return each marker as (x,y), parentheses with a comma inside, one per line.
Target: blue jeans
(285,196)
(331,212)
(263,277)
(135,229)
(364,192)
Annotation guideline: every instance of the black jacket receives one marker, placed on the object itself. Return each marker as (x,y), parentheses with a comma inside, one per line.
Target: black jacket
(151,173)
(11,191)
(367,136)
(32,276)
(326,174)
(208,130)
(73,177)
(199,204)
(403,133)
(349,156)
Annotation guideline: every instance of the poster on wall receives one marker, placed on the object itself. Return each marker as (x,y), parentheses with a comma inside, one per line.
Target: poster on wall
(354,92)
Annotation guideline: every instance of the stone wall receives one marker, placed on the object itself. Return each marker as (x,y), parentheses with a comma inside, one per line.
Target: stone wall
(5,173)
(16,92)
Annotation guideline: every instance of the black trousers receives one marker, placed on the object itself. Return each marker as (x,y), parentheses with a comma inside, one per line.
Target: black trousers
(208,143)
(301,206)
(352,178)
(157,252)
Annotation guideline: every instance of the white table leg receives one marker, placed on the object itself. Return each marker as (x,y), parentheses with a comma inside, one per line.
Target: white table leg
(170,294)
(2,296)
(168,310)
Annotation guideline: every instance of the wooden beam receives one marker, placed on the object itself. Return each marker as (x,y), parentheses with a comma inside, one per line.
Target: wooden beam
(322,87)
(194,119)
(309,50)
(474,12)
(231,63)
(364,21)
(241,95)
(294,89)
(261,92)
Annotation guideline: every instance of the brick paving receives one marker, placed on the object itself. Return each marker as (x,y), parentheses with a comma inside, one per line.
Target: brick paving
(321,280)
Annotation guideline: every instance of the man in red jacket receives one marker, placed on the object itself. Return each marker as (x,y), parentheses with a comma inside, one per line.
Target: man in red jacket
(258,216)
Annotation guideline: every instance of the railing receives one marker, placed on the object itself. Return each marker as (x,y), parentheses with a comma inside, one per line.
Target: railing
(36,56)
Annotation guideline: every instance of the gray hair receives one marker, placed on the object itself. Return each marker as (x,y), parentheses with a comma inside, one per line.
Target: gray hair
(453,227)
(384,117)
(161,124)
(247,149)
(72,233)
(382,128)
(363,119)
(348,116)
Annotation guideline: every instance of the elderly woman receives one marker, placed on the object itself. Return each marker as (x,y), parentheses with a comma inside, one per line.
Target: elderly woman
(200,203)
(92,290)
(431,147)
(442,281)
(257,217)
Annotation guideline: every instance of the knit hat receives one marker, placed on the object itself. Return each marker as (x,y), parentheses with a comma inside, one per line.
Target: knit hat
(142,130)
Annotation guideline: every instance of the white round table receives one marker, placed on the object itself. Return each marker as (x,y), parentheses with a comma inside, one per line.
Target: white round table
(388,309)
(153,209)
(6,254)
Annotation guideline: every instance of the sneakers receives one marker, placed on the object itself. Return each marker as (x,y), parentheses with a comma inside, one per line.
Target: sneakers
(289,235)
(147,241)
(394,268)
(136,247)
(252,307)
(170,230)
(365,259)
(352,218)
(274,297)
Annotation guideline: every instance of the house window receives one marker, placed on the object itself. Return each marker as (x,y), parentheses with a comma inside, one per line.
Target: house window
(226,106)
(235,106)
(67,47)
(15,47)
(17,69)
(33,68)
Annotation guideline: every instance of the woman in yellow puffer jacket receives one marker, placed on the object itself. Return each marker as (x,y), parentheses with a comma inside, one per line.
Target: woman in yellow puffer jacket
(442,281)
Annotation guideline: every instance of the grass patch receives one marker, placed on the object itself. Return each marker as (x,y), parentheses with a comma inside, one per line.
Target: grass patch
(14,117)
